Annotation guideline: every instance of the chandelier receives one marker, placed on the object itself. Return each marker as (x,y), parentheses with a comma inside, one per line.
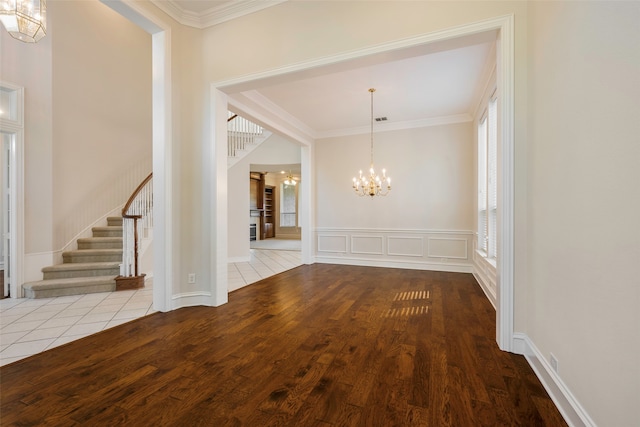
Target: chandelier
(290,180)
(25,20)
(372,185)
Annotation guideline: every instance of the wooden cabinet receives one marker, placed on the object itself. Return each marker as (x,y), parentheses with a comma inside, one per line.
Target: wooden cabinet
(268,228)
(262,203)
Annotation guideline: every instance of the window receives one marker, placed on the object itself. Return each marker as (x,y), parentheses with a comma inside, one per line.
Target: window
(288,205)
(488,180)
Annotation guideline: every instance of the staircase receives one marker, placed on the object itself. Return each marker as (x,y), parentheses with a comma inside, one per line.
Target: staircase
(91,268)
(243,136)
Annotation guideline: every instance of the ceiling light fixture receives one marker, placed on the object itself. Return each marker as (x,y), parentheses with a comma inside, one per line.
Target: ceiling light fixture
(25,20)
(290,180)
(373,184)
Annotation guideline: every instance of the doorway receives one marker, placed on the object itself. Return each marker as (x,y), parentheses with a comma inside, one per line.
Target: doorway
(11,192)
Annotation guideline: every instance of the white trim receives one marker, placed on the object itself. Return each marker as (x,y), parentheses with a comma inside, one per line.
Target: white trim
(284,127)
(488,292)
(190,299)
(18,123)
(392,230)
(306,202)
(394,126)
(572,412)
(233,260)
(506,184)
(409,265)
(267,105)
(16,161)
(226,11)
(215,157)
(240,83)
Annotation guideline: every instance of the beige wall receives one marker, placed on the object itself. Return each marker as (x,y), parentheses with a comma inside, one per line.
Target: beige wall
(432,178)
(576,91)
(29,66)
(101,105)
(583,200)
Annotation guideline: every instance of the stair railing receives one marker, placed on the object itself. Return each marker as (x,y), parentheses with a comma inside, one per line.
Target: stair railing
(137,216)
(240,133)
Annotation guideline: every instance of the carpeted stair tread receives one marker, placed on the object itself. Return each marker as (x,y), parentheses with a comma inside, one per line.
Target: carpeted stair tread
(70,286)
(81,266)
(100,240)
(107,231)
(100,243)
(92,255)
(94,251)
(114,220)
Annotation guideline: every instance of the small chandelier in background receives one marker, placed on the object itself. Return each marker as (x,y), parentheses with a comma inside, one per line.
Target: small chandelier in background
(372,185)
(25,20)
(290,180)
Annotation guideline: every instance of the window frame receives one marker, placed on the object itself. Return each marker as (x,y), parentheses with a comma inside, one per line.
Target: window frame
(487,168)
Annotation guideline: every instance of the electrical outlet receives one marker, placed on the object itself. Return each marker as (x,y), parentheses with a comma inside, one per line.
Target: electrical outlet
(192,278)
(554,363)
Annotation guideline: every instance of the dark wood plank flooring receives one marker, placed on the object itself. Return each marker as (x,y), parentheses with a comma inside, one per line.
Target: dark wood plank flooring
(320,345)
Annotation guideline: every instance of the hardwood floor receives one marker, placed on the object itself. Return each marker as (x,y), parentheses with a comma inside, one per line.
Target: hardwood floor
(319,345)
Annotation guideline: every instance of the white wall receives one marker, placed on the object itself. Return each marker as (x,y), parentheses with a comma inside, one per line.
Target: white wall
(584,199)
(426,221)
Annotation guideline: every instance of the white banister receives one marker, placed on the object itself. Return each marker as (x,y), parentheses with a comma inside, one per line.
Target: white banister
(241,133)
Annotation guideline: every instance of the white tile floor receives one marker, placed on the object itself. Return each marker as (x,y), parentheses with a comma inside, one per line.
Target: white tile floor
(30,326)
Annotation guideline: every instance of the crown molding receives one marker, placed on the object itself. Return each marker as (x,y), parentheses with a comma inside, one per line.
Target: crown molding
(215,15)
(394,126)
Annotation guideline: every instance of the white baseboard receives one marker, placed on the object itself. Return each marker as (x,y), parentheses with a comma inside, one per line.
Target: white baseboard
(191,299)
(432,266)
(238,259)
(571,410)
(486,289)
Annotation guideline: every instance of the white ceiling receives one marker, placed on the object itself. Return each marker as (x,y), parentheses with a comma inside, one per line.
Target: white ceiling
(437,83)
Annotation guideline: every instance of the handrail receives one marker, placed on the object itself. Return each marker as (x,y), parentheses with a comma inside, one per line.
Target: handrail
(138,207)
(232,117)
(134,194)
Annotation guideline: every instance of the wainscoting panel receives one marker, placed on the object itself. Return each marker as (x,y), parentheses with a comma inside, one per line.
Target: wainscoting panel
(447,247)
(440,250)
(332,243)
(369,245)
(405,246)
(485,273)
